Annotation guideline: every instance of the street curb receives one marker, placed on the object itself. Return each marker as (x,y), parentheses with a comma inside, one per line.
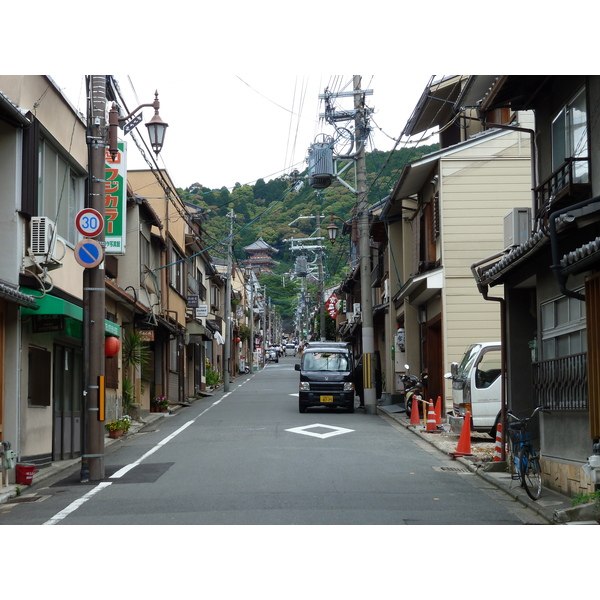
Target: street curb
(558,511)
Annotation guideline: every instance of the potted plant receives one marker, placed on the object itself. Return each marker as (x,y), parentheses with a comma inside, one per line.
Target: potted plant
(118,427)
(160,404)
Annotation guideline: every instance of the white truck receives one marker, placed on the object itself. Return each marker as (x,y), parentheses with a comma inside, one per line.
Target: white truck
(477,387)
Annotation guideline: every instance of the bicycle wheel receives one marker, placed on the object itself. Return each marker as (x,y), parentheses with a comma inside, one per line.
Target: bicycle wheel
(512,459)
(531,473)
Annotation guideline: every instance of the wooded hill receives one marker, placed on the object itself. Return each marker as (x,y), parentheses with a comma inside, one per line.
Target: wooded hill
(265,210)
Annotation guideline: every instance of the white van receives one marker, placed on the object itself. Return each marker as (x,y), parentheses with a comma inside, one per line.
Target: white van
(290,349)
(477,387)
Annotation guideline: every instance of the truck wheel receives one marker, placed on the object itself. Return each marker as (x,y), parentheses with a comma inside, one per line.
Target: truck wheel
(493,430)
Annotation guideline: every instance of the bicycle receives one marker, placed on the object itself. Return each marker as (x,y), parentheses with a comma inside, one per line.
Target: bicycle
(525,461)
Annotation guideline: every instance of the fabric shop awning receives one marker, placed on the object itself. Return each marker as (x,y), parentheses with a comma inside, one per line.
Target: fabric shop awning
(52,305)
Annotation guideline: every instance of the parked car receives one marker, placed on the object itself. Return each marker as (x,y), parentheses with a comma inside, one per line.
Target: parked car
(326,378)
(477,387)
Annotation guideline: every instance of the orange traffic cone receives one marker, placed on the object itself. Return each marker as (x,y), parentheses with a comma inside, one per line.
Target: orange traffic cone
(431,426)
(498,447)
(414,413)
(463,447)
(438,411)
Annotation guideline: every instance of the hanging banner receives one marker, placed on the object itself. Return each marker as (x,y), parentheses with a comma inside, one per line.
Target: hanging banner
(331,306)
(115,206)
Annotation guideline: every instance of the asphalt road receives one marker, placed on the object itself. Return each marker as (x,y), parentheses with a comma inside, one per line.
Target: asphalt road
(248,457)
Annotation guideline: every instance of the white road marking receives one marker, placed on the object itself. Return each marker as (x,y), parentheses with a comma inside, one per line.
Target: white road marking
(334,430)
(77,503)
(59,516)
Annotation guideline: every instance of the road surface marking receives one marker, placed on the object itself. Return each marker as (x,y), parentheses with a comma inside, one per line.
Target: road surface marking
(334,430)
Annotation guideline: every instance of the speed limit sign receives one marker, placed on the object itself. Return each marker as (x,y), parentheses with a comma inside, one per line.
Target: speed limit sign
(89,222)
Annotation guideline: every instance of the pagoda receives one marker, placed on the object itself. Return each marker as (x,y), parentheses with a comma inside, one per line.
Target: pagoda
(260,256)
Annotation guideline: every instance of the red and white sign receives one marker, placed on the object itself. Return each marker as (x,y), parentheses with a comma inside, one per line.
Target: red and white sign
(89,222)
(331,306)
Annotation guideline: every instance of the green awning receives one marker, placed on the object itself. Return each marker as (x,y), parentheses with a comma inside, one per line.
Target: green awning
(52,305)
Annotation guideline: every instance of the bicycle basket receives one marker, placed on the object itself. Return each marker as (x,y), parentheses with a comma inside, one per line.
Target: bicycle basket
(518,433)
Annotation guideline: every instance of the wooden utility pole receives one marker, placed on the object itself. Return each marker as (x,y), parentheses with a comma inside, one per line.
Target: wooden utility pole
(92,466)
(366,301)
(227,368)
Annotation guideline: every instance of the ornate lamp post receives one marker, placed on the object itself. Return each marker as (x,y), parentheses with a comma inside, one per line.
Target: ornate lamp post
(157,128)
(332,228)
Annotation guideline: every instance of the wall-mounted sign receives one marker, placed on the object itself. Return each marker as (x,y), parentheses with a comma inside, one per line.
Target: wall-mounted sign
(331,306)
(146,335)
(115,201)
(48,323)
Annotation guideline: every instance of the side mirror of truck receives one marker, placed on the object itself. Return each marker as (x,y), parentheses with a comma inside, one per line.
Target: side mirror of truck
(297,366)
(454,370)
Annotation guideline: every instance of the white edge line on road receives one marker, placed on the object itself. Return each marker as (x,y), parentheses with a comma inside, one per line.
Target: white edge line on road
(75,505)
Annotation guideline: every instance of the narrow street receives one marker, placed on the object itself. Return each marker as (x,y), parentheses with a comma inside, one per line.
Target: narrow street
(248,457)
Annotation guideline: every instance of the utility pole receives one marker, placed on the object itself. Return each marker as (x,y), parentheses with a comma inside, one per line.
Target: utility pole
(321,283)
(366,301)
(92,463)
(264,324)
(251,319)
(226,370)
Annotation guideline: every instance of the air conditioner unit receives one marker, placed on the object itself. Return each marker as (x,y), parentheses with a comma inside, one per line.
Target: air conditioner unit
(517,227)
(42,236)
(42,242)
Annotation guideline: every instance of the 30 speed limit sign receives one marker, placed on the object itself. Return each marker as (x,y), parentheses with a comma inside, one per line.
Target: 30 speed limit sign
(89,222)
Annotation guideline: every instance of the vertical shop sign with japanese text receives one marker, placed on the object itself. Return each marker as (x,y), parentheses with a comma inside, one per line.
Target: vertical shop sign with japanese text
(115,205)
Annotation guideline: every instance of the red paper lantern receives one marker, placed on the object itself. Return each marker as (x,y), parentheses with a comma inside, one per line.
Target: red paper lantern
(111,346)
(238,340)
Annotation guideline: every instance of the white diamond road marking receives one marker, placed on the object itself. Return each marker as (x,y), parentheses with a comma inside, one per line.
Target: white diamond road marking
(334,430)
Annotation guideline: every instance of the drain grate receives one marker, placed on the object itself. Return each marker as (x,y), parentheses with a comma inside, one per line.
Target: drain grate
(452,470)
(24,499)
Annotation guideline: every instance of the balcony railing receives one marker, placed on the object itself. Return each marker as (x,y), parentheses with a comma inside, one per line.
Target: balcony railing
(567,185)
(561,383)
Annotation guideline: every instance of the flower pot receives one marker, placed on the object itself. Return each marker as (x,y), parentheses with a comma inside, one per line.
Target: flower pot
(117,433)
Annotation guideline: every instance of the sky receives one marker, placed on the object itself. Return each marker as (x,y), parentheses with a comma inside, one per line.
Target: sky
(236,128)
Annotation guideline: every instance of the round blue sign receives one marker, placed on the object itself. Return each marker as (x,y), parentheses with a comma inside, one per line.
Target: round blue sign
(88,253)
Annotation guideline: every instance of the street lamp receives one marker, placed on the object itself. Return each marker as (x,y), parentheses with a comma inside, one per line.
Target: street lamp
(332,228)
(156,126)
